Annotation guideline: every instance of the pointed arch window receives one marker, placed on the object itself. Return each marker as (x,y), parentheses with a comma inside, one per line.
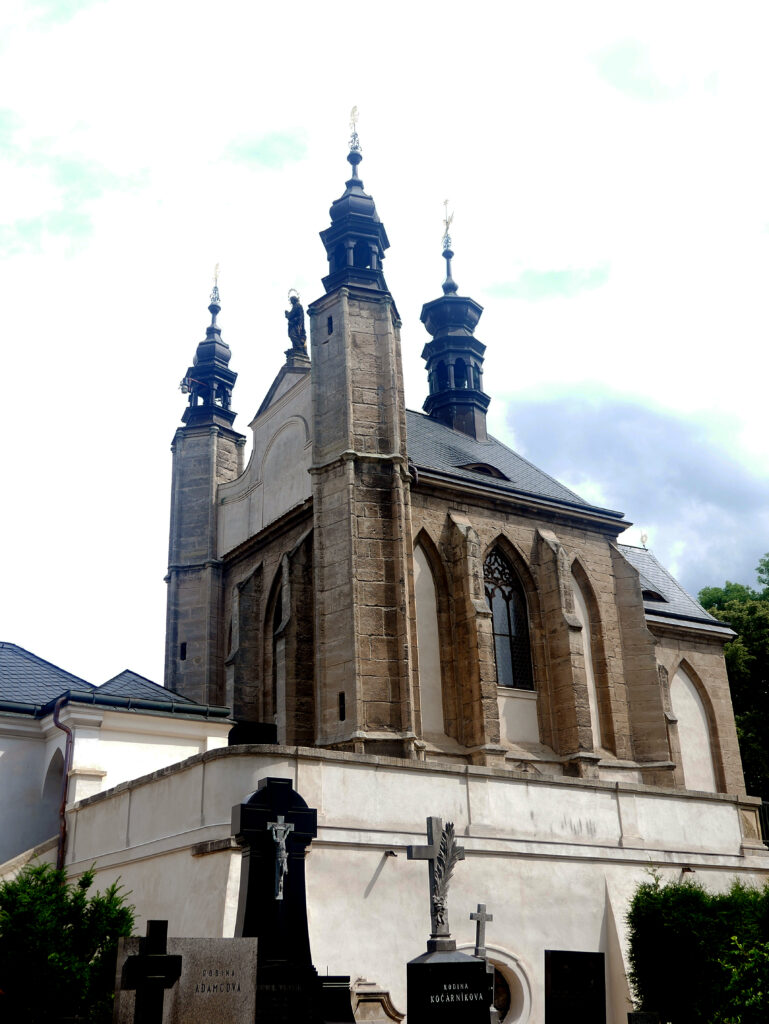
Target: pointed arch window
(510,622)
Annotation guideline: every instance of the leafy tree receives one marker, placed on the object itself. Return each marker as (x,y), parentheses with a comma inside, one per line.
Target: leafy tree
(747,664)
(57,947)
(747,991)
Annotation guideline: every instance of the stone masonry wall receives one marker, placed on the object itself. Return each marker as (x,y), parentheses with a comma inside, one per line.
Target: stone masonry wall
(363,550)
(545,548)
(203,457)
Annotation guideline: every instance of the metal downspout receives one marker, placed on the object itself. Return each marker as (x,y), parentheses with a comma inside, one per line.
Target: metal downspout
(61,849)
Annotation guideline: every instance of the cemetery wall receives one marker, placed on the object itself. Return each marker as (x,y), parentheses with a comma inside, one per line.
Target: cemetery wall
(554,859)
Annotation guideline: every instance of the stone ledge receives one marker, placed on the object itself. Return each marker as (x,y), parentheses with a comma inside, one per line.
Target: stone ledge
(214,846)
(298,754)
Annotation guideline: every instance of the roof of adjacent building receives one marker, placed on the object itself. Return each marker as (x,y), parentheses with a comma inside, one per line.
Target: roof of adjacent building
(28,679)
(131,684)
(676,603)
(30,685)
(433,446)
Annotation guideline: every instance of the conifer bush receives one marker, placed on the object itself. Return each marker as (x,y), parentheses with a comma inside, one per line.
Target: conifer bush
(58,946)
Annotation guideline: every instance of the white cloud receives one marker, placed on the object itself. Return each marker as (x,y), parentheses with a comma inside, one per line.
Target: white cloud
(549,167)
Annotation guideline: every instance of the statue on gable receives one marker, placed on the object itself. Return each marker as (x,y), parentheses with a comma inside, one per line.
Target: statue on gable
(295,317)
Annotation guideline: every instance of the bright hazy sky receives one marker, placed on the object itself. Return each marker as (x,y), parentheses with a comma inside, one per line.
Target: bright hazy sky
(608,167)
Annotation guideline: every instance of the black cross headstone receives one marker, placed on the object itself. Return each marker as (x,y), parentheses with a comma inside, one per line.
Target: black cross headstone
(150,973)
(481,917)
(275,828)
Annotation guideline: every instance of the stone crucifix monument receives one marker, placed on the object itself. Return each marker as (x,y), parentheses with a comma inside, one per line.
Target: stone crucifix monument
(444,985)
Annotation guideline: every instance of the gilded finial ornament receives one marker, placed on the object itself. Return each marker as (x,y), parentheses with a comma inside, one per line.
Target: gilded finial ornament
(447,219)
(354,140)
(215,289)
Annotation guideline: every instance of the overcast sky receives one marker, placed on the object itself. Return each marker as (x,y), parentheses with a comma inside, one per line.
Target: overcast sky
(608,168)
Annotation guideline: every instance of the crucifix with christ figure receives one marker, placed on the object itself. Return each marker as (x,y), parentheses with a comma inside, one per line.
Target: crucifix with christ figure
(441,854)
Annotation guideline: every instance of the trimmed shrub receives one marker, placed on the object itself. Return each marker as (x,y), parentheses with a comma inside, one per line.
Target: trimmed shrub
(694,954)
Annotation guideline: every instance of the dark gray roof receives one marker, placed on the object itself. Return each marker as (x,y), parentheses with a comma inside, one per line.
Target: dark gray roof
(677,604)
(31,680)
(431,445)
(30,685)
(131,684)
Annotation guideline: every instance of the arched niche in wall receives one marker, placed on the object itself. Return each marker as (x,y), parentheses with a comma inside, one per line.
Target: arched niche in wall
(582,611)
(694,733)
(277,610)
(285,480)
(428,645)
(50,801)
(512,988)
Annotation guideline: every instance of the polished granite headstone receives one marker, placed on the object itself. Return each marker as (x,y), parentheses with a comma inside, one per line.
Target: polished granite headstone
(448,986)
(191,981)
(575,987)
(275,827)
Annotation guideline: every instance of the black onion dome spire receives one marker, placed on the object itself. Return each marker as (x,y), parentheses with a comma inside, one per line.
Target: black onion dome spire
(454,357)
(209,381)
(356,241)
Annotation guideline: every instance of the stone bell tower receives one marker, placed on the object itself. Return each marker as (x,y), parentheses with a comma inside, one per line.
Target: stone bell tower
(361,498)
(206,453)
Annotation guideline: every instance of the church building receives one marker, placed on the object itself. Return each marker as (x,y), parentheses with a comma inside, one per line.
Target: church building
(383,581)
(409,619)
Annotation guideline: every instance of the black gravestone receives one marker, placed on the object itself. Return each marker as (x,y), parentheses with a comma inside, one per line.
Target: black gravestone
(575,987)
(275,827)
(445,987)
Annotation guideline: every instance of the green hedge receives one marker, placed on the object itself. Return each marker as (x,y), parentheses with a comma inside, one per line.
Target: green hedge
(697,956)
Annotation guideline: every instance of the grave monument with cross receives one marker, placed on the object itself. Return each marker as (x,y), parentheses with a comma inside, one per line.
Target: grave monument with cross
(275,827)
(444,985)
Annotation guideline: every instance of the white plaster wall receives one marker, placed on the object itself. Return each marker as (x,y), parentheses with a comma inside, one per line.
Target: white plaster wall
(277,475)
(109,748)
(127,744)
(23,765)
(430,679)
(554,859)
(517,716)
(693,733)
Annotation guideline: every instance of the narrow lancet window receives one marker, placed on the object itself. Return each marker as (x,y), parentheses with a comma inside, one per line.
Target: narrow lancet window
(507,601)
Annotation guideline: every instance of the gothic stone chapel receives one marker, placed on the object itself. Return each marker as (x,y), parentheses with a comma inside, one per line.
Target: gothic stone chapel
(384,581)
(420,622)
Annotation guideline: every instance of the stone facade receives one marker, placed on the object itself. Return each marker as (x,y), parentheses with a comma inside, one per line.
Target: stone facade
(291,583)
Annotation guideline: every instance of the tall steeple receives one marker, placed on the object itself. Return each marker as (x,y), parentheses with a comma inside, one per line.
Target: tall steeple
(356,241)
(454,357)
(207,452)
(361,501)
(209,381)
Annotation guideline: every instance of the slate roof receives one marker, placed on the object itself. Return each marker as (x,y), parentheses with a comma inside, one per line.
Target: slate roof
(131,684)
(677,603)
(29,685)
(28,679)
(431,445)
